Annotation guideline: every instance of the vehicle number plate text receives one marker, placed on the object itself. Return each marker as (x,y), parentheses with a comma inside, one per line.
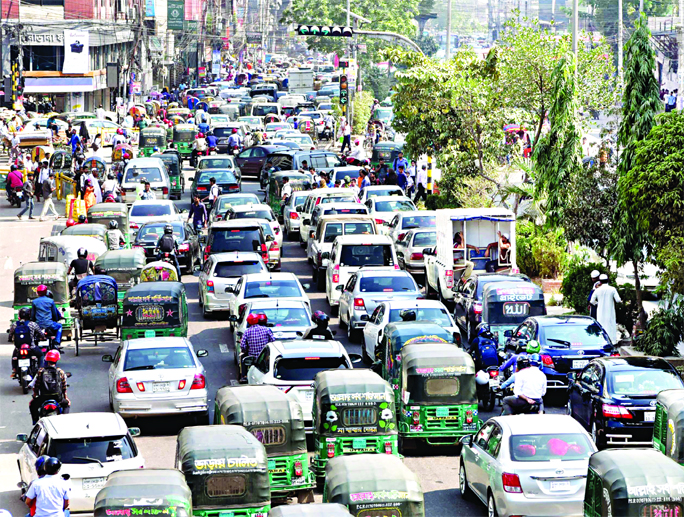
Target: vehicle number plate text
(359,443)
(494,382)
(649,416)
(161,386)
(150,333)
(90,483)
(24,362)
(576,365)
(557,486)
(308,395)
(442,412)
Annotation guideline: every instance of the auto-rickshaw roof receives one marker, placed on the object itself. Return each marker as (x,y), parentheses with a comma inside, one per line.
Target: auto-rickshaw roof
(494,290)
(673,401)
(185,127)
(121,260)
(93,279)
(246,405)
(69,242)
(153,130)
(40,268)
(413,330)
(206,449)
(388,146)
(486,214)
(419,359)
(123,486)
(160,290)
(313,510)
(638,473)
(331,385)
(115,208)
(351,474)
(85,229)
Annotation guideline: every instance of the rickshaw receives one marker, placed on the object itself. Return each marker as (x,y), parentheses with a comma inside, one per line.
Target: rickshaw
(64,248)
(29,276)
(97,305)
(214,107)
(173,105)
(277,422)
(103,213)
(387,151)
(437,399)
(152,108)
(97,164)
(61,163)
(633,483)
(175,120)
(172,160)
(180,112)
(226,468)
(298,181)
(373,485)
(122,152)
(155,309)
(310,510)
(271,117)
(39,152)
(95,230)
(159,271)
(151,138)
(307,126)
(183,138)
(668,427)
(124,266)
(202,105)
(353,413)
(144,492)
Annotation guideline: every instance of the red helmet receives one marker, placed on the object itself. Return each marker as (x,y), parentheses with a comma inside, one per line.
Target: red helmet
(52,356)
(263,319)
(119,131)
(70,222)
(252,319)
(42,290)
(234,130)
(200,135)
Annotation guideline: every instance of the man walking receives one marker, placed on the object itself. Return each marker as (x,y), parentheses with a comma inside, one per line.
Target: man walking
(29,193)
(605,298)
(421,185)
(49,188)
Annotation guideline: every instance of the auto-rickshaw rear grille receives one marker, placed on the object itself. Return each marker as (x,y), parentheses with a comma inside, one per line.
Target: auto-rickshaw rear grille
(450,421)
(278,471)
(269,435)
(359,416)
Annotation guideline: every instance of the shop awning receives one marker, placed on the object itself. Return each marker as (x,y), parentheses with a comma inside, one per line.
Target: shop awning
(59,84)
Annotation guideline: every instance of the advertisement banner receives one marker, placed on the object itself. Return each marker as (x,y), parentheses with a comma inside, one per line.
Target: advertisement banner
(176,14)
(216,62)
(202,71)
(76,52)
(254,38)
(149,8)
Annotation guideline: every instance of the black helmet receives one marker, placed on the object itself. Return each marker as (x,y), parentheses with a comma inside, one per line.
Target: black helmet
(113,225)
(484,331)
(52,466)
(24,313)
(320,318)
(168,229)
(407,315)
(110,176)
(82,252)
(522,362)
(81,219)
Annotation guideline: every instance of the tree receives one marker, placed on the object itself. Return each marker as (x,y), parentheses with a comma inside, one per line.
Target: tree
(427,44)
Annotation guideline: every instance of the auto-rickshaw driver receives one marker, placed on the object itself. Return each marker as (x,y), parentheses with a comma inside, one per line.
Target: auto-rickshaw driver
(81,267)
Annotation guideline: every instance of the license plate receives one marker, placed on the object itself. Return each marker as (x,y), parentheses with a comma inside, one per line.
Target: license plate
(359,443)
(308,395)
(557,486)
(150,333)
(649,416)
(442,412)
(579,364)
(271,464)
(161,386)
(24,362)
(226,514)
(90,483)
(493,382)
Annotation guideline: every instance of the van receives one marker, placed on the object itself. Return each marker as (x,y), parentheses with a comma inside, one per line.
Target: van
(236,235)
(265,108)
(291,160)
(350,253)
(318,196)
(142,170)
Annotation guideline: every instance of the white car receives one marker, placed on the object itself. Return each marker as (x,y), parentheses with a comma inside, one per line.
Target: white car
(382,209)
(258,211)
(225,201)
(390,312)
(90,446)
(40,124)
(380,191)
(273,127)
(303,141)
(402,222)
(287,319)
(142,170)
(266,285)
(291,366)
(291,218)
(336,208)
(281,133)
(157,376)
(146,211)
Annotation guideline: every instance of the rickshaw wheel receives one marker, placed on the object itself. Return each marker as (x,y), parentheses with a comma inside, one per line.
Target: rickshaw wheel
(76,335)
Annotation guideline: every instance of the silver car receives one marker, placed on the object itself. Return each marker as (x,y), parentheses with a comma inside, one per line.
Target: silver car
(410,249)
(368,287)
(225,201)
(527,465)
(291,218)
(157,376)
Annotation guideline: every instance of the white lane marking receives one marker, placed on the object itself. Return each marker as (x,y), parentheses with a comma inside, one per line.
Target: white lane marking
(224,348)
(9,264)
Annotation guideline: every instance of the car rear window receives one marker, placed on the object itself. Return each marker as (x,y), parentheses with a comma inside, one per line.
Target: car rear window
(483,281)
(219,176)
(158,358)
(285,317)
(385,192)
(386,284)
(352,173)
(235,239)
(154,232)
(435,314)
(272,289)
(221,132)
(394,206)
(571,335)
(260,110)
(216,163)
(225,202)
(642,382)
(237,269)
(90,451)
(418,221)
(252,214)
(344,211)
(143,174)
(425,239)
(306,368)
(550,447)
(338,199)
(150,210)
(357,255)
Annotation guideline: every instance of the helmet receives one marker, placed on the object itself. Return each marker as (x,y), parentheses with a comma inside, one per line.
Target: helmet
(522,362)
(200,135)
(52,466)
(263,319)
(113,225)
(321,318)
(52,356)
(40,463)
(82,219)
(24,313)
(533,347)
(483,330)
(70,222)
(110,176)
(535,360)
(252,319)
(156,149)
(41,290)
(482,377)
(407,315)
(82,253)
(119,131)
(168,229)
(234,130)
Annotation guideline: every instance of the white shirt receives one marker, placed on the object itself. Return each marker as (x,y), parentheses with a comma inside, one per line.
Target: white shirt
(50,492)
(346,130)
(109,186)
(118,139)
(359,153)
(214,192)
(286,191)
(421,177)
(115,238)
(44,174)
(530,382)
(100,113)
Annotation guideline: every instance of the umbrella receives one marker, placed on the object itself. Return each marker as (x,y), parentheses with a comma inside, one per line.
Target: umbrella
(513,127)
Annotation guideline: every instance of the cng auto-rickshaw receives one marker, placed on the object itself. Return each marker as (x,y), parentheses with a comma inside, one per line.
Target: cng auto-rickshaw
(96,230)
(668,427)
(124,266)
(143,493)
(226,469)
(158,271)
(152,140)
(95,163)
(633,483)
(97,306)
(61,162)
(298,181)
(310,510)
(373,485)
(173,162)
(103,213)
(64,248)
(276,421)
(388,151)
(183,137)
(155,309)
(353,413)
(437,399)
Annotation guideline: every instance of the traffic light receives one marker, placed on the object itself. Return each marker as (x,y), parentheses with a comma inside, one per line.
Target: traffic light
(325,30)
(344,90)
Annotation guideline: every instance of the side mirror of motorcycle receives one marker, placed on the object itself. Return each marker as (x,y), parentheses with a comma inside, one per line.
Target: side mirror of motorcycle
(107,358)
(508,333)
(22,437)
(66,477)
(202,353)
(233,318)
(134,431)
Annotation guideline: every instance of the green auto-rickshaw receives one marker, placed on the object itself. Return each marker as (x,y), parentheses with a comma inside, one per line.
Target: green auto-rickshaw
(152,140)
(124,266)
(173,162)
(668,427)
(373,485)
(353,413)
(103,213)
(505,305)
(388,151)
(29,276)
(633,483)
(97,230)
(155,309)
(437,399)
(183,138)
(310,510)
(298,181)
(144,493)
(226,468)
(275,420)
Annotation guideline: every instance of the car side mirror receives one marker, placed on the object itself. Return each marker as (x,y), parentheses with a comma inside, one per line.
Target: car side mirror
(107,358)
(232,318)
(248,362)
(457,338)
(467,440)
(22,437)
(134,431)
(572,376)
(355,358)
(299,209)
(306,286)
(339,288)
(202,353)
(269,238)
(183,211)
(508,333)
(191,178)
(427,251)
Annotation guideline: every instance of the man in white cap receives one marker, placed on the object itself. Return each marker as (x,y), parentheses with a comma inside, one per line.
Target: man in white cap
(596,283)
(605,298)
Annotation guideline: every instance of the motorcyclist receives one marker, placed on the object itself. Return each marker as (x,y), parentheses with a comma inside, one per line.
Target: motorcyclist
(321,330)
(199,147)
(484,336)
(49,494)
(257,335)
(81,268)
(45,313)
(212,141)
(26,332)
(110,187)
(357,155)
(167,244)
(115,238)
(40,472)
(50,383)
(234,142)
(81,219)
(532,347)
(521,363)
(529,388)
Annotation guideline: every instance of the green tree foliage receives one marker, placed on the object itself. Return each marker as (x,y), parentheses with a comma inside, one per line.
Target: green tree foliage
(362,104)
(663,333)
(377,80)
(427,44)
(540,252)
(577,282)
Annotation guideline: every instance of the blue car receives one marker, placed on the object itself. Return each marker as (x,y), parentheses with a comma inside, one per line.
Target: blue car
(568,343)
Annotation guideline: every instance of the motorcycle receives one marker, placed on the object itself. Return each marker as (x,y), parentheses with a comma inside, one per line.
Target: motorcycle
(49,408)
(27,367)
(326,133)
(15,196)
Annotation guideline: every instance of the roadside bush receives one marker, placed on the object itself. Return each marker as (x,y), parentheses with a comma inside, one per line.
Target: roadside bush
(363,101)
(663,333)
(540,253)
(577,283)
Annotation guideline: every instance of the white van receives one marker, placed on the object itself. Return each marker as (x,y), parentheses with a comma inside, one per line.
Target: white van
(140,171)
(318,196)
(350,253)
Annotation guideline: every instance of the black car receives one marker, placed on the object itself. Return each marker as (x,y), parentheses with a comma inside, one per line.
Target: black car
(225,179)
(614,398)
(223,132)
(189,252)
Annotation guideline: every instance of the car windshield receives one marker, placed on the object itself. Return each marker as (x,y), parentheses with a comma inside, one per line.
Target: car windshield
(306,368)
(222,132)
(288,317)
(385,192)
(641,382)
(216,163)
(574,334)
(550,447)
(143,174)
(394,206)
(434,314)
(425,239)
(225,202)
(252,214)
(418,221)
(154,231)
(338,199)
(237,269)
(386,284)
(303,139)
(272,289)
(236,240)
(150,210)
(158,358)
(366,255)
(263,109)
(276,126)
(332,230)
(84,451)
(219,176)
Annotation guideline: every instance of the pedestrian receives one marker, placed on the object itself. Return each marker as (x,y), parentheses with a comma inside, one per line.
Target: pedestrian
(413,171)
(421,185)
(29,192)
(198,213)
(345,128)
(92,176)
(147,193)
(74,141)
(605,297)
(100,113)
(391,177)
(381,171)
(402,179)
(595,285)
(365,182)
(14,149)
(97,143)
(399,161)
(49,188)
(89,196)
(84,134)
(214,193)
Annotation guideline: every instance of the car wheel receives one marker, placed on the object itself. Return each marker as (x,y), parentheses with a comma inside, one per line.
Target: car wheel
(491,506)
(342,323)
(320,281)
(111,402)
(595,436)
(466,492)
(351,331)
(205,313)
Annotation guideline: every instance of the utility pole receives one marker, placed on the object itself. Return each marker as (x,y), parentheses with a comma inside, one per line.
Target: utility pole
(620,49)
(448,31)
(575,26)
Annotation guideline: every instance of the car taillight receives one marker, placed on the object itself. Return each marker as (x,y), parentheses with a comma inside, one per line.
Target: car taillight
(416,417)
(264,252)
(477,308)
(233,187)
(219,218)
(207,250)
(612,411)
(181,384)
(318,201)
(547,360)
(201,189)
(242,308)
(401,236)
(199,382)
(140,386)
(469,416)
(379,221)
(274,247)
(511,483)
(122,386)
(416,256)
(298,470)
(615,354)
(449,273)
(336,274)
(184,247)
(165,190)
(210,286)
(134,226)
(358,303)
(331,449)
(388,447)
(294,215)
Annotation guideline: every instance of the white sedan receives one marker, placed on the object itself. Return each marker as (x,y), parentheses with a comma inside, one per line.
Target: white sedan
(266,285)
(258,211)
(382,209)
(145,211)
